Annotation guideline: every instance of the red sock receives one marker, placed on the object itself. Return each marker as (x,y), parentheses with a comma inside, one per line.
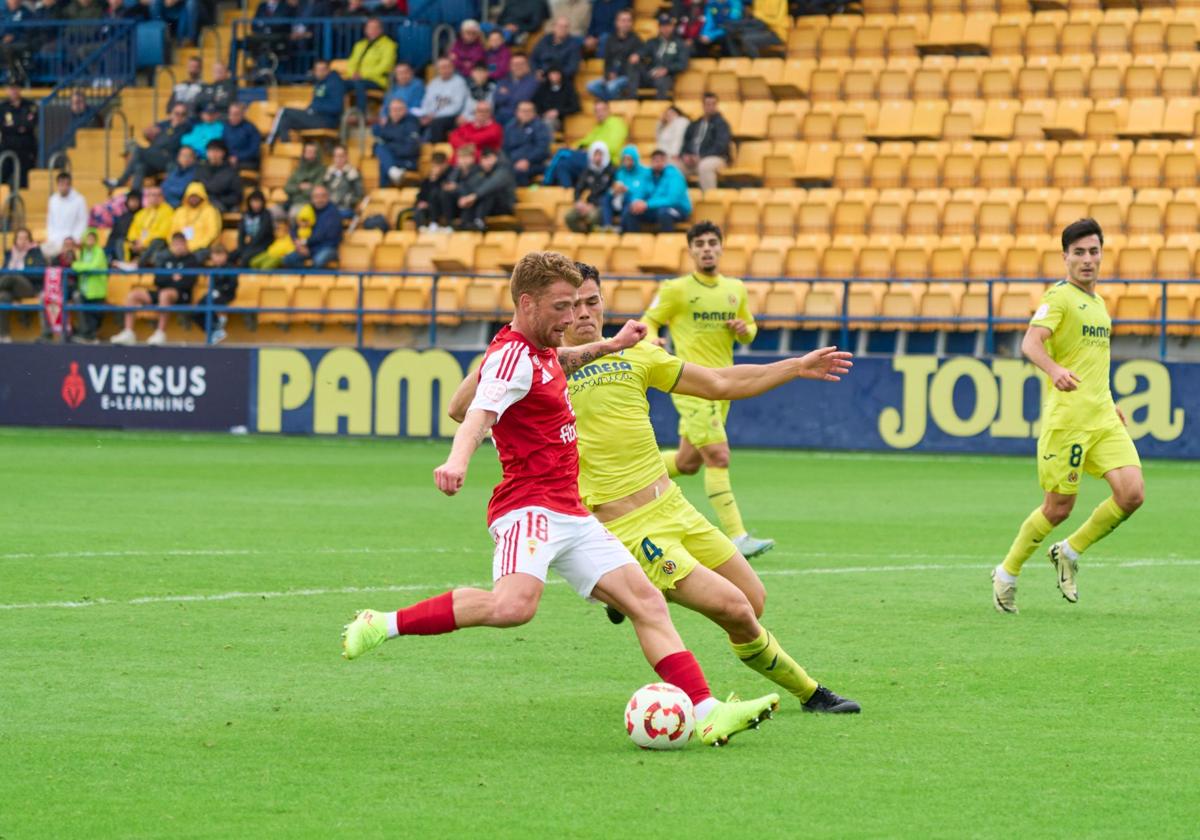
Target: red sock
(683,671)
(430,617)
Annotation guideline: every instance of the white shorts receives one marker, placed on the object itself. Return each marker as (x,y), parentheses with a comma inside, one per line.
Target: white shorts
(532,540)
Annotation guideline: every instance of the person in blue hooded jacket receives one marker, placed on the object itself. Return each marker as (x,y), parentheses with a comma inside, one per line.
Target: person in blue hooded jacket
(662,199)
(629,184)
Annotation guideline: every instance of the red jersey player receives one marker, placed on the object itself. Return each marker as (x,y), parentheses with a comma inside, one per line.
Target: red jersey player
(535,516)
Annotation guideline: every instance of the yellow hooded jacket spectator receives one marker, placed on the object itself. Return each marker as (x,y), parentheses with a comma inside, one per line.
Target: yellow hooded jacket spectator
(196,218)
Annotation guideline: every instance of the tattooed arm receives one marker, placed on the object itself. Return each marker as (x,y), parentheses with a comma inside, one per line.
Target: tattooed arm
(572,359)
(450,476)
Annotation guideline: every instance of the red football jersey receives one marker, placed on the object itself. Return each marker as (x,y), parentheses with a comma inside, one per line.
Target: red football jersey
(535,433)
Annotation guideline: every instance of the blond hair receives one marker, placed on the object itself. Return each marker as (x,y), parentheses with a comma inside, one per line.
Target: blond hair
(538,270)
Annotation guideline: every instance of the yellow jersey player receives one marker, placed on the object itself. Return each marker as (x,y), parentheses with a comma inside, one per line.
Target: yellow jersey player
(622,481)
(1082,428)
(706,312)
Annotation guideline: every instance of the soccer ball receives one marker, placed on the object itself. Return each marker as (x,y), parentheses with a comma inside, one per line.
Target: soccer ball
(659,717)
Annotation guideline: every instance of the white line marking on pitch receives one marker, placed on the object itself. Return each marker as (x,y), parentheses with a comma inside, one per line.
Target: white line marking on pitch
(418,587)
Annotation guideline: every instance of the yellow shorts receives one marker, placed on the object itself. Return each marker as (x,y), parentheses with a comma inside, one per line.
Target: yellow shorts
(1065,454)
(670,538)
(702,422)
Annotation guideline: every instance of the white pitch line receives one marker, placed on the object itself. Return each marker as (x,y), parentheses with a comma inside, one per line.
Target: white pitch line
(417,587)
(225,552)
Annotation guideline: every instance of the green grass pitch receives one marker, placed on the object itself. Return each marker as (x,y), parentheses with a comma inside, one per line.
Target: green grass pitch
(195,688)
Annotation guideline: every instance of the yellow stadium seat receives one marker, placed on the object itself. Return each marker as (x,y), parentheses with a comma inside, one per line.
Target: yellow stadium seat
(803,260)
(893,83)
(782,304)
(1148,37)
(1112,37)
(1179,170)
(875,260)
(886,219)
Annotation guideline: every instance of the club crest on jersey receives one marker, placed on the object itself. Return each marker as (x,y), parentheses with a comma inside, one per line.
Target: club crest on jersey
(1073,477)
(532,545)
(733,301)
(668,567)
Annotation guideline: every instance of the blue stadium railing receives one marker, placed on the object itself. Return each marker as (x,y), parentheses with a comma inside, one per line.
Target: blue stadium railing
(45,52)
(418,36)
(847,322)
(108,67)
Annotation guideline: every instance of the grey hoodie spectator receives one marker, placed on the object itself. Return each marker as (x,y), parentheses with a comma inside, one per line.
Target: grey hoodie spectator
(445,98)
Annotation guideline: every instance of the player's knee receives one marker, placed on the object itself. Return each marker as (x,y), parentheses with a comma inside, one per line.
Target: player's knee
(513,612)
(738,615)
(688,466)
(647,605)
(1056,512)
(757,598)
(1131,498)
(718,459)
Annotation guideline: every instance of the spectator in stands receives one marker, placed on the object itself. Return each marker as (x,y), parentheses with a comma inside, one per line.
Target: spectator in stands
(690,17)
(197,220)
(307,174)
(117,249)
(189,90)
(180,177)
(149,231)
(24,254)
(469,49)
(269,34)
(479,89)
(223,288)
(256,229)
(425,211)
(555,100)
(520,85)
(463,175)
(592,191)
(527,144)
(706,144)
(392,8)
(284,242)
(405,86)
(663,58)
(344,182)
(492,193)
(18,133)
(221,91)
(622,55)
(319,248)
(117,10)
(243,139)
(564,169)
(397,144)
(66,216)
(482,132)
(352,9)
(221,181)
(169,289)
(629,183)
(371,63)
(558,48)
(91,284)
(603,23)
(83,10)
(325,110)
(445,98)
(498,56)
(204,132)
(17,44)
(164,140)
(663,201)
(183,16)
(521,18)
(578,12)
(774,13)
(718,15)
(672,127)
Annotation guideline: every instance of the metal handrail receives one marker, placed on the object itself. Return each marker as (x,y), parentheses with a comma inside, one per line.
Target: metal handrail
(170,71)
(128,132)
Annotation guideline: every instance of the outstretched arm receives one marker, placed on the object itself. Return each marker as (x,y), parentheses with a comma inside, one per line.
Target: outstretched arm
(450,476)
(738,382)
(571,359)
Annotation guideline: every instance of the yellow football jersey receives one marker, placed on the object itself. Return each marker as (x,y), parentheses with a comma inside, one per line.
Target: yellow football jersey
(695,308)
(618,453)
(1080,329)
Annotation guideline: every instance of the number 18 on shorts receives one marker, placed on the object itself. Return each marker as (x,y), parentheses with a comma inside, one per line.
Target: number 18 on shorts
(532,540)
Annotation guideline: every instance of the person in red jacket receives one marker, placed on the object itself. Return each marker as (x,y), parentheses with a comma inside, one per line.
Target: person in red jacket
(483,132)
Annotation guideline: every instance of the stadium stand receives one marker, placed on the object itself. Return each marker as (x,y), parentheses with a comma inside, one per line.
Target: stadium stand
(899,170)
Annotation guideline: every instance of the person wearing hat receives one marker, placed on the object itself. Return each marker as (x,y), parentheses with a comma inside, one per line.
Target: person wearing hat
(204,132)
(663,58)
